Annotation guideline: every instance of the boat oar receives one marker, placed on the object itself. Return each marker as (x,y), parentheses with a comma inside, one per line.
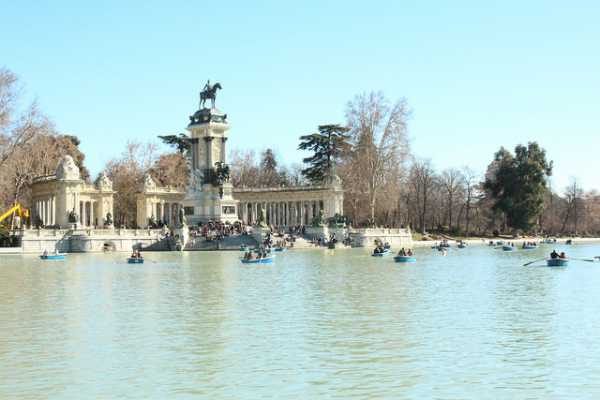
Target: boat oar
(534,261)
(584,259)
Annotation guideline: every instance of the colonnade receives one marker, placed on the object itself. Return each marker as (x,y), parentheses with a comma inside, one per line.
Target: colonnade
(165,212)
(280,213)
(45,210)
(86,213)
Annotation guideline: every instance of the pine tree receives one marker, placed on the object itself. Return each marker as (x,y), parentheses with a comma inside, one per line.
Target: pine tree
(326,145)
(517,184)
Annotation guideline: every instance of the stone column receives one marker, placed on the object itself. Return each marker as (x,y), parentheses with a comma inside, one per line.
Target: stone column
(53,210)
(92,213)
(209,160)
(223,152)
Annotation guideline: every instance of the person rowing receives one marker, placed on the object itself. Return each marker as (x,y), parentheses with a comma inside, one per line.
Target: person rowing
(554,255)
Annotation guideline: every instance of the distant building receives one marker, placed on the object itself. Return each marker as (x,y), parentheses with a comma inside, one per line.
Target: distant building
(64,198)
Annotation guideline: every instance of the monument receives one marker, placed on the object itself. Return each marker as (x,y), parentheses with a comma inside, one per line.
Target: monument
(210,194)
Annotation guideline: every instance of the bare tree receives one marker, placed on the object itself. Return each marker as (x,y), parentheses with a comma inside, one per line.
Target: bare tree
(451,181)
(378,135)
(574,211)
(17,128)
(127,174)
(422,178)
(171,169)
(470,181)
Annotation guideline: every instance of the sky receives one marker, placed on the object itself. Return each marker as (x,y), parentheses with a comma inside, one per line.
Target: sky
(477,75)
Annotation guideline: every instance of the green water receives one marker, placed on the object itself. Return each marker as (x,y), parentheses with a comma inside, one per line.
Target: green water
(316,324)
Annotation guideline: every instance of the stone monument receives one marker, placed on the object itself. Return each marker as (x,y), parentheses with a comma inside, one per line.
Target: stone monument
(210,194)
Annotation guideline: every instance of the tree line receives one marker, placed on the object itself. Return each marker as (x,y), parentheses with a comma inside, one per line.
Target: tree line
(385,185)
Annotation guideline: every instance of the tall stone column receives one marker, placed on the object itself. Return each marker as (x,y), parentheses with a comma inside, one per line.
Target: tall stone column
(209,160)
(223,152)
(53,210)
(92,222)
(83,214)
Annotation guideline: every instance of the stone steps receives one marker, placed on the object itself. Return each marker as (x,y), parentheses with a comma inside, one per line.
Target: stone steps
(228,243)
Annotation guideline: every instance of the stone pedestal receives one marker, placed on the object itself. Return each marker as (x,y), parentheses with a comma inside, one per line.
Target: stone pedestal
(211,203)
(209,199)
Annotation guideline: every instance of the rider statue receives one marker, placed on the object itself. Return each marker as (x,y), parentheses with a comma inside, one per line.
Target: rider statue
(209,92)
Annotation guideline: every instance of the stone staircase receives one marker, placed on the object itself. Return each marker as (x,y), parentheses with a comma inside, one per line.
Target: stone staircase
(228,243)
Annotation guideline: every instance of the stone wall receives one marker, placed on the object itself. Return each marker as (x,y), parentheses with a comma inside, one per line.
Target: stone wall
(396,237)
(91,240)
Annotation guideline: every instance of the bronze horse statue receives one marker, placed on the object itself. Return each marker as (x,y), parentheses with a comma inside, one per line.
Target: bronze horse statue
(209,92)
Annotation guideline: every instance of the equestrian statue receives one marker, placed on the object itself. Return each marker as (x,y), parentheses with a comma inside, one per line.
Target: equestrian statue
(209,92)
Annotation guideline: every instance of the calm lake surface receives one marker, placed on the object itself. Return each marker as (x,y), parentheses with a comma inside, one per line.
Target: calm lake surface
(316,324)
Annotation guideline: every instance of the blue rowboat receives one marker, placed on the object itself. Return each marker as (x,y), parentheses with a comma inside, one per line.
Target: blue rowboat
(527,247)
(52,257)
(385,252)
(557,262)
(264,260)
(405,259)
(132,260)
(279,249)
(462,246)
(508,248)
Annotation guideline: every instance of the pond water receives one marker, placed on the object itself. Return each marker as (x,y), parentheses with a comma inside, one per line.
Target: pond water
(339,324)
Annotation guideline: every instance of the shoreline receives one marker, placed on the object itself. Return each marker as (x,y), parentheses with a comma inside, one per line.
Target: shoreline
(485,241)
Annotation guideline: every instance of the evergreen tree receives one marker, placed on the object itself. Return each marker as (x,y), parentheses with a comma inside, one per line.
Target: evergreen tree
(517,184)
(327,145)
(181,142)
(269,176)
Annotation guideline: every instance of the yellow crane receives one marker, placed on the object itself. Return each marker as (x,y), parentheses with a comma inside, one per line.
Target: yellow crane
(16,209)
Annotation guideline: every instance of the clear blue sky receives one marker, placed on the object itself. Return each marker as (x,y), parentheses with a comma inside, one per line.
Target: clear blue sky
(477,75)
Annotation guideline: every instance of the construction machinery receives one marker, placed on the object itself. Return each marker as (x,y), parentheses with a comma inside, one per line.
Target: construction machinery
(16,210)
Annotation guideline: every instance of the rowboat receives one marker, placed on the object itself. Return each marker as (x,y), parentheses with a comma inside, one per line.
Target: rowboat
(385,252)
(557,262)
(405,259)
(280,249)
(529,247)
(263,260)
(58,256)
(462,245)
(508,248)
(135,260)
